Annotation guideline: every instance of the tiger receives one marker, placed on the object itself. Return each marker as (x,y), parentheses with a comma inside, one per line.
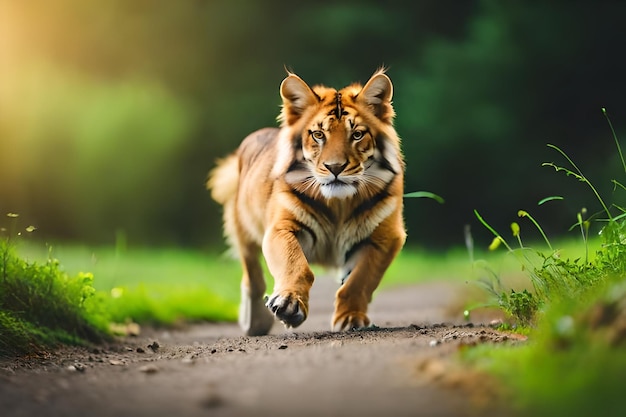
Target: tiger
(324,188)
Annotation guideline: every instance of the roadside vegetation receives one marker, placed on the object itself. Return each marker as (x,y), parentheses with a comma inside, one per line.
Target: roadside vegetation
(153,286)
(41,306)
(574,311)
(116,289)
(102,291)
(71,294)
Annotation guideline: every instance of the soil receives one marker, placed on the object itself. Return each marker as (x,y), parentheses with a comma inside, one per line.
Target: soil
(403,366)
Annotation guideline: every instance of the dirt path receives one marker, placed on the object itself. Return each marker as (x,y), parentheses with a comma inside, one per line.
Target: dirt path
(396,369)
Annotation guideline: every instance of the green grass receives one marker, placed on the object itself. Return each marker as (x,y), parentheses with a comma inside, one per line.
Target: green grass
(41,306)
(414,265)
(165,285)
(158,286)
(574,363)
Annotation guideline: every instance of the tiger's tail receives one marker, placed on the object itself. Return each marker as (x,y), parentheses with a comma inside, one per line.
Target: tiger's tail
(223,183)
(224,179)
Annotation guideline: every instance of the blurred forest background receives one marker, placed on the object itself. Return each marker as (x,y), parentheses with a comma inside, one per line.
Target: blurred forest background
(112,112)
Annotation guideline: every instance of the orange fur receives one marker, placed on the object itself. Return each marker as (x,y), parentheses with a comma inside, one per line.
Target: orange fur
(325,188)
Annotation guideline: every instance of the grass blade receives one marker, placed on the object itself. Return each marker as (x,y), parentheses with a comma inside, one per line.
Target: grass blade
(619,148)
(551,198)
(491,229)
(425,194)
(579,174)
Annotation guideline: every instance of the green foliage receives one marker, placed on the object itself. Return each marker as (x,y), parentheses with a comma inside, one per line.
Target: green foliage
(115,150)
(577,347)
(578,312)
(166,285)
(552,277)
(425,194)
(168,304)
(613,259)
(578,174)
(154,286)
(41,306)
(122,139)
(522,305)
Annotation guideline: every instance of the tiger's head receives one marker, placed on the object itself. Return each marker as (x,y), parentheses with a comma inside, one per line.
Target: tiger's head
(342,141)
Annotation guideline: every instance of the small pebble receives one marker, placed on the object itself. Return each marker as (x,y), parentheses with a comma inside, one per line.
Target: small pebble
(149,369)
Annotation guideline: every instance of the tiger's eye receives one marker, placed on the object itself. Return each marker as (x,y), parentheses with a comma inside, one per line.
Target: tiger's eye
(358,135)
(318,135)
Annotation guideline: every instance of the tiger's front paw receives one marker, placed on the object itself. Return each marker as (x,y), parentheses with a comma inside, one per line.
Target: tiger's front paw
(351,320)
(289,308)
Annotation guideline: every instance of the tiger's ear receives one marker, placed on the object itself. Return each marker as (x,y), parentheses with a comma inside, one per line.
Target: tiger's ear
(377,95)
(297,97)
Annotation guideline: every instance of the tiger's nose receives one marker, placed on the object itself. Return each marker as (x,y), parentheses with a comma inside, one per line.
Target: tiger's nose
(336,169)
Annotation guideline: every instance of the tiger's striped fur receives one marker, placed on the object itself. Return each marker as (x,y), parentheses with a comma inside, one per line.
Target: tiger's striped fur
(325,188)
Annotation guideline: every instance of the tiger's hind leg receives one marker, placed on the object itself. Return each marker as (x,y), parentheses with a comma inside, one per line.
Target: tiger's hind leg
(254,317)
